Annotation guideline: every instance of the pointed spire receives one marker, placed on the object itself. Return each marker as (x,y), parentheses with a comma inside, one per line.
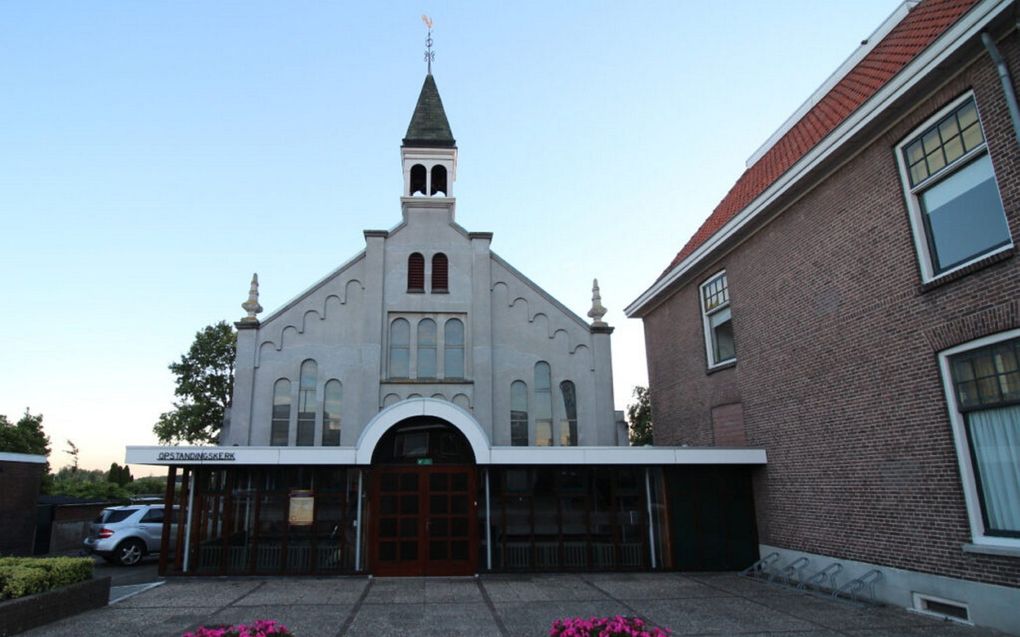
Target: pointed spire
(597,311)
(429,127)
(251,306)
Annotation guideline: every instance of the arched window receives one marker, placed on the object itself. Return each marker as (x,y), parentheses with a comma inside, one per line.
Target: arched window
(426,349)
(307,404)
(439,180)
(333,396)
(453,349)
(280,431)
(418,177)
(543,405)
(568,427)
(416,273)
(518,414)
(400,348)
(440,273)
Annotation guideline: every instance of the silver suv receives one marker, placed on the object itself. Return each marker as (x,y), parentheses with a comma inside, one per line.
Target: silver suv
(125,534)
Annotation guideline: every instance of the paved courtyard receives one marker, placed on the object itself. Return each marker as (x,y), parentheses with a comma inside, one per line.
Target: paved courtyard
(497,605)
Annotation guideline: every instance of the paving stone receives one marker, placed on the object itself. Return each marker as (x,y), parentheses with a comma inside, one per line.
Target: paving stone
(723,615)
(534,619)
(304,620)
(653,586)
(453,590)
(432,620)
(328,591)
(540,588)
(397,590)
(126,622)
(733,583)
(186,593)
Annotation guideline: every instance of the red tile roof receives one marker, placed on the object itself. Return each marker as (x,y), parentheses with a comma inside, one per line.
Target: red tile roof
(918,29)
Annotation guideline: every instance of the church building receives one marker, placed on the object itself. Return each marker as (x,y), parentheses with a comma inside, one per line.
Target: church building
(426,409)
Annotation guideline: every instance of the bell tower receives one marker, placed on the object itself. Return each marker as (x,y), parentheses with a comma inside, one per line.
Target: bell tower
(429,152)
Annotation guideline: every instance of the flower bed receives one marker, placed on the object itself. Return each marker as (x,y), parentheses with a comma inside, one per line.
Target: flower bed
(261,628)
(618,626)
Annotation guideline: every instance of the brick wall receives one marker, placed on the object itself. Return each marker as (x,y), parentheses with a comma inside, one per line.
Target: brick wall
(19,488)
(836,366)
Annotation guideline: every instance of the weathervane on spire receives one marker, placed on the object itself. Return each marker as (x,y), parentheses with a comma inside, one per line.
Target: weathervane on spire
(430,55)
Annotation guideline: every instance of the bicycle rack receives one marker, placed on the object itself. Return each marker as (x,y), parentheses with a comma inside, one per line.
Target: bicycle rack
(819,579)
(795,567)
(761,567)
(853,587)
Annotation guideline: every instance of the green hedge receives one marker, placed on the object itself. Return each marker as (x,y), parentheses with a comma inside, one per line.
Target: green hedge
(20,576)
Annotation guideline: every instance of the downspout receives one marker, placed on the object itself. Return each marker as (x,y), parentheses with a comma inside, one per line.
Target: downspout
(1007,83)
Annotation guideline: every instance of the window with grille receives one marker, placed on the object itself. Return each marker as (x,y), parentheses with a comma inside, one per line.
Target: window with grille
(718,321)
(440,273)
(416,273)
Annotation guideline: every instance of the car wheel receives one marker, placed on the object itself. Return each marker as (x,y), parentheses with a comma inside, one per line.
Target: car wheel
(130,552)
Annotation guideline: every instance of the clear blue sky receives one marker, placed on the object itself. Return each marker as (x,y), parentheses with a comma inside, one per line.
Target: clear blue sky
(154,154)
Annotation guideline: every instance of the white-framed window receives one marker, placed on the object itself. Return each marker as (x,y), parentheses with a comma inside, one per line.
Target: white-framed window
(982,385)
(715,312)
(955,208)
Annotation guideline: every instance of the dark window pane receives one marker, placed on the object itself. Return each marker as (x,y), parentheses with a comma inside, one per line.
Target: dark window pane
(409,482)
(459,527)
(438,482)
(389,482)
(458,482)
(439,527)
(408,551)
(458,504)
(459,550)
(438,504)
(388,527)
(437,550)
(387,551)
(408,504)
(409,527)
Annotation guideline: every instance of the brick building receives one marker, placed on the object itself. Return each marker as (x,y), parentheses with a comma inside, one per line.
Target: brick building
(20,480)
(852,306)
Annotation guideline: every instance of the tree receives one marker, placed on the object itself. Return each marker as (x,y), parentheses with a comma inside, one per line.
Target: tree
(26,436)
(119,475)
(72,451)
(639,418)
(205,382)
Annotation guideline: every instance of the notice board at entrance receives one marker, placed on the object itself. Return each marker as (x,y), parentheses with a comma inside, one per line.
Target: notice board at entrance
(302,508)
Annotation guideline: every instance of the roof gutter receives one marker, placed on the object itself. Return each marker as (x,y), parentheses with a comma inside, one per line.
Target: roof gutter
(928,60)
(1007,83)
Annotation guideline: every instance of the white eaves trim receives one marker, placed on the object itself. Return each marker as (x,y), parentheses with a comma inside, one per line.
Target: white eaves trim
(966,28)
(226,456)
(27,458)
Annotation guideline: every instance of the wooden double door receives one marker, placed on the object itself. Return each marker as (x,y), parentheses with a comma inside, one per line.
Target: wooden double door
(424,520)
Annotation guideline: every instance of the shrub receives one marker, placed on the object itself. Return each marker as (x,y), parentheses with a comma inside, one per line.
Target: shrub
(618,626)
(261,628)
(20,576)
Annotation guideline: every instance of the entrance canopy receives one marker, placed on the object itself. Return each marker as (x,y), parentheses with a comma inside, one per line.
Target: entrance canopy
(477,438)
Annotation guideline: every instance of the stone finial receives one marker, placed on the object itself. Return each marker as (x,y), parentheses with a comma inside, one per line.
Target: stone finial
(251,306)
(597,311)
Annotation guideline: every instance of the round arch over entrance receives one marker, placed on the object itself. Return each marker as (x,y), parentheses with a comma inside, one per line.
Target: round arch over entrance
(451,413)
